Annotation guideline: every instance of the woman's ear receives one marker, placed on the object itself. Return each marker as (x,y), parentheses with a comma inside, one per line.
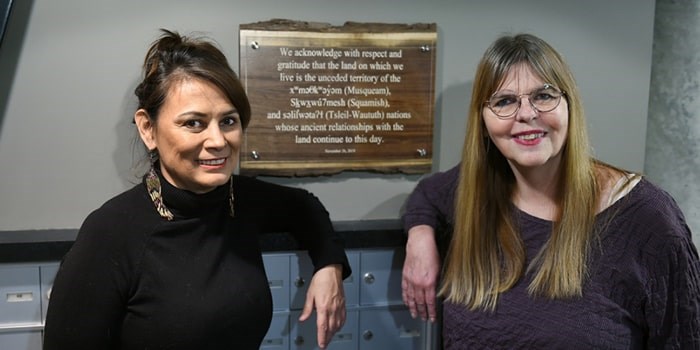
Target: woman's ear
(146,128)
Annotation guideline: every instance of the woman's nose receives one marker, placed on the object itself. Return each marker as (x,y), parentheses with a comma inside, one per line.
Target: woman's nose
(215,137)
(527,111)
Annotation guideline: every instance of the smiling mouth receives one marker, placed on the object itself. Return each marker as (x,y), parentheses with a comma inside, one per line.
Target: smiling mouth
(530,137)
(218,161)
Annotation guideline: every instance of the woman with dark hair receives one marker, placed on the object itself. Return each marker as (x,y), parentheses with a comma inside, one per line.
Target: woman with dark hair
(550,248)
(174,262)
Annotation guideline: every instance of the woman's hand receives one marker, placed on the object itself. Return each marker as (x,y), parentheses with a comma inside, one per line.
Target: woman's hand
(326,294)
(420,272)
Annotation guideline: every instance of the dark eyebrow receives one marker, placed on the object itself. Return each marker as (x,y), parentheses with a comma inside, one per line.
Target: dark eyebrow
(201,115)
(192,114)
(233,111)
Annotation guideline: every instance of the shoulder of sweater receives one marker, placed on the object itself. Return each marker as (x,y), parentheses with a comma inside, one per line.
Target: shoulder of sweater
(656,200)
(442,179)
(651,209)
(129,214)
(133,200)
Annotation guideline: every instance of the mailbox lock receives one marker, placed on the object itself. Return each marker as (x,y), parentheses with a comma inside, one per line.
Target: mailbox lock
(369,278)
(299,282)
(299,340)
(367,335)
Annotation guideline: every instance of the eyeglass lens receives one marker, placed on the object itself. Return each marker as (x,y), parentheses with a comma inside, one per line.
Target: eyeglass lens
(543,100)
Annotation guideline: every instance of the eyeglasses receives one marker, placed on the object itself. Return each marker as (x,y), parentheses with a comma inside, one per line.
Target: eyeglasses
(543,99)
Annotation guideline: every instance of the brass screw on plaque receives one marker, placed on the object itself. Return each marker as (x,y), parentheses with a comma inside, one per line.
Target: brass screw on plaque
(422,152)
(254,45)
(255,155)
(425,48)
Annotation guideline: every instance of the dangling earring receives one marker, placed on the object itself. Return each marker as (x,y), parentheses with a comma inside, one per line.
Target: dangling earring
(153,187)
(230,198)
(152,157)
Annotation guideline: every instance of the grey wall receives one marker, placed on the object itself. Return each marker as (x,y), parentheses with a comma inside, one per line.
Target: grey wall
(673,137)
(68,68)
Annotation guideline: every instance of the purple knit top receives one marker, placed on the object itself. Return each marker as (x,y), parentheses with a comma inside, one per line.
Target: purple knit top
(643,289)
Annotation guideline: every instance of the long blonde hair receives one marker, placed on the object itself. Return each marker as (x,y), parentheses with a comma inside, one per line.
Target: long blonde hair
(487,255)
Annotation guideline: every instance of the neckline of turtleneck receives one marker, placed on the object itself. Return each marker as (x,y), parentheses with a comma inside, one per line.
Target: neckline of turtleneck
(184,203)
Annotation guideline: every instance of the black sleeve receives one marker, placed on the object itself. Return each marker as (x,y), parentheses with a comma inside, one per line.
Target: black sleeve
(279,208)
(88,298)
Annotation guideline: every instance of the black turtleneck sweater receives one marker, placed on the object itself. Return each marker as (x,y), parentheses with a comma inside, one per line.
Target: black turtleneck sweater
(134,280)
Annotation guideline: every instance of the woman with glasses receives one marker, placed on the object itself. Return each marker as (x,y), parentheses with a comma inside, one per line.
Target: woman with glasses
(549,248)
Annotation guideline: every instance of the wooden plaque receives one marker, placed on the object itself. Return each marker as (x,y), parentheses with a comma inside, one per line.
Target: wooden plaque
(328,99)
